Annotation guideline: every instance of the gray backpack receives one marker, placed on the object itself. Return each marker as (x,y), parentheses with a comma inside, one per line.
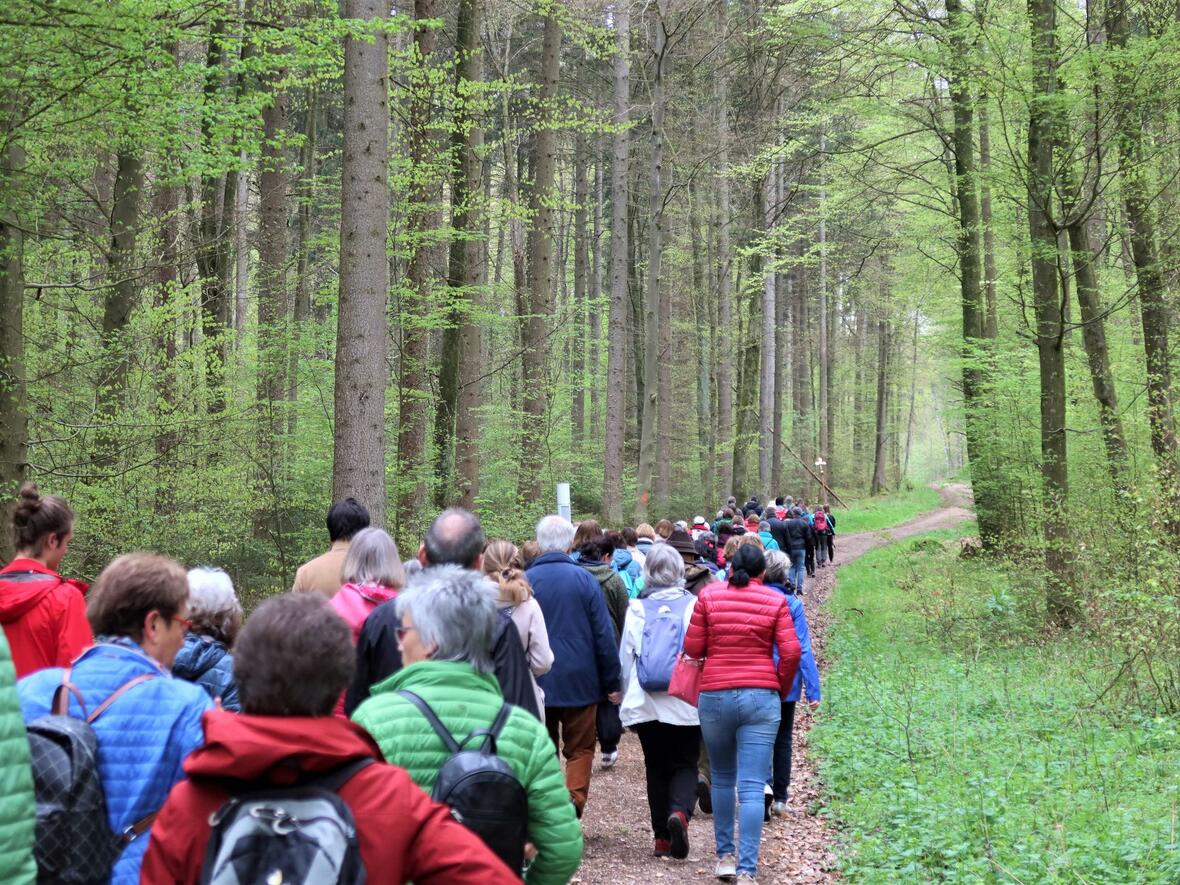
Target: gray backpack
(299,835)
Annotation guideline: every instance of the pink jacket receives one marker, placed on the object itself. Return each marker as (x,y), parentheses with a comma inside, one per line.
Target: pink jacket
(353,602)
(734,630)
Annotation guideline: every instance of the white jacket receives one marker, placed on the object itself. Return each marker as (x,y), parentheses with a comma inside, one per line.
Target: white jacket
(639,705)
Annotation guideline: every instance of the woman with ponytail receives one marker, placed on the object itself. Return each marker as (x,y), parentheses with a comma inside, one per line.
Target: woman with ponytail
(503,564)
(736,628)
(43,614)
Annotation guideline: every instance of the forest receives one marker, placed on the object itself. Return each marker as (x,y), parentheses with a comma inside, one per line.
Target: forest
(260,254)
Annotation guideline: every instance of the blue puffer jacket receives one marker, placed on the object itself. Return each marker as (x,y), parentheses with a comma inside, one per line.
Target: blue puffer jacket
(142,738)
(808,672)
(585,655)
(207,662)
(623,561)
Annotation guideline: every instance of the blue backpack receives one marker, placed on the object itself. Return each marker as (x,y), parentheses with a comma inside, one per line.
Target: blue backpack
(633,584)
(663,639)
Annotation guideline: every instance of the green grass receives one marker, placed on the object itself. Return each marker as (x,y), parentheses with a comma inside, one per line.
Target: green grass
(885,511)
(956,748)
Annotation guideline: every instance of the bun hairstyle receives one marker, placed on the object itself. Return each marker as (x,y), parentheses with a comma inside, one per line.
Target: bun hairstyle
(35,518)
(502,563)
(748,563)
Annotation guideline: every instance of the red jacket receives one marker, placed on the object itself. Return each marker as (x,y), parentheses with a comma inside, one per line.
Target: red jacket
(735,629)
(44,618)
(403,835)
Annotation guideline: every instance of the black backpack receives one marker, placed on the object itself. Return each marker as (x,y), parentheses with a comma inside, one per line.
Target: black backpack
(512,665)
(481,789)
(303,834)
(74,843)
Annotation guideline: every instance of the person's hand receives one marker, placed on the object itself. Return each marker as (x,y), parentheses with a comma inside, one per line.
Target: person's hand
(813,705)
(615,697)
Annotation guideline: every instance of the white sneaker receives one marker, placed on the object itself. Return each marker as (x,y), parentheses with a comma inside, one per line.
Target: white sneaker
(609,759)
(779,809)
(726,869)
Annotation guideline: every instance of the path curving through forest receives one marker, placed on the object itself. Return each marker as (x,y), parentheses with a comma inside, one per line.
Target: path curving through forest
(795,849)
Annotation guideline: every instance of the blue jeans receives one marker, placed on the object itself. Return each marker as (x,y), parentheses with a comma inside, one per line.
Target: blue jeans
(798,570)
(739,726)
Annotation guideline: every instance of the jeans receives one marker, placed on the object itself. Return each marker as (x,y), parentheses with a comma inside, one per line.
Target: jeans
(670,754)
(739,726)
(798,572)
(572,730)
(821,549)
(832,547)
(781,776)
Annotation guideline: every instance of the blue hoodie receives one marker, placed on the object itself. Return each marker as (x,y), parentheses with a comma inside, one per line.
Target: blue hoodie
(208,663)
(808,672)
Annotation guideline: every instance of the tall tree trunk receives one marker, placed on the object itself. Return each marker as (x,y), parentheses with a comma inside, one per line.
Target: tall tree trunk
(801,437)
(301,309)
(1042,230)
(166,208)
(595,304)
(860,395)
(700,301)
(578,371)
(879,481)
(987,505)
(825,446)
(745,423)
(120,300)
(361,331)
(422,219)
(474,247)
(909,424)
(783,291)
(617,324)
(769,313)
(725,416)
(535,346)
(990,319)
(14,421)
(1134,173)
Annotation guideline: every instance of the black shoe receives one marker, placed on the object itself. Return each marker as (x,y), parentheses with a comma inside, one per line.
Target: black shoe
(678,834)
(704,796)
(767,799)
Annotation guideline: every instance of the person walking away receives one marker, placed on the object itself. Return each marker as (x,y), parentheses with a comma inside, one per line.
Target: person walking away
(447,617)
(42,613)
(502,563)
(18,814)
(631,538)
(585,654)
(735,628)
(151,721)
(373,573)
(768,539)
(293,660)
(629,570)
(831,534)
(795,532)
(668,729)
(806,677)
(820,527)
(595,556)
(697,572)
(216,616)
(325,573)
(645,537)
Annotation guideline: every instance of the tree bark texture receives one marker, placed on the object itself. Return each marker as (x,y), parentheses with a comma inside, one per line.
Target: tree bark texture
(880,437)
(725,416)
(769,323)
(578,373)
(14,421)
(359,433)
(301,308)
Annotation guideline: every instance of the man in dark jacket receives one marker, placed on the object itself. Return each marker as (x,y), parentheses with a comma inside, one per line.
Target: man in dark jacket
(794,537)
(585,657)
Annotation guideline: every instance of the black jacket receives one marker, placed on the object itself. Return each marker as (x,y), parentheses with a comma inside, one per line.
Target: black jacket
(797,532)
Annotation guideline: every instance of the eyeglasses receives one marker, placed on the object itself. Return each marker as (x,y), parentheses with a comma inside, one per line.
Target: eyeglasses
(188,625)
(401,631)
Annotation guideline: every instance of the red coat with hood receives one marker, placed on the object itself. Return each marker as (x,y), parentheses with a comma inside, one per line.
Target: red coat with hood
(44,619)
(735,630)
(403,835)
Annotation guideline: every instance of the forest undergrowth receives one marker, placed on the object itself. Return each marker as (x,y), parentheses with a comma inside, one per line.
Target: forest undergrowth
(964,743)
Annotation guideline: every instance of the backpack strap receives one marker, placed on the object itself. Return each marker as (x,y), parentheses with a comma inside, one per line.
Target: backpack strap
(61,695)
(441,730)
(493,734)
(27,577)
(118,693)
(333,780)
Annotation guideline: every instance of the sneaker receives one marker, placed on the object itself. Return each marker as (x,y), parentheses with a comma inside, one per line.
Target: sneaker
(704,796)
(778,809)
(609,759)
(678,834)
(767,800)
(661,848)
(726,869)
(747,878)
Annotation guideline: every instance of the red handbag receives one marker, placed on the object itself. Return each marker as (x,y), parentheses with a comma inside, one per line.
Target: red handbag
(686,679)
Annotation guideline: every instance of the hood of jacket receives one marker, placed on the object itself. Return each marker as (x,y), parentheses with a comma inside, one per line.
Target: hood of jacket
(621,560)
(276,748)
(198,656)
(17,597)
(601,570)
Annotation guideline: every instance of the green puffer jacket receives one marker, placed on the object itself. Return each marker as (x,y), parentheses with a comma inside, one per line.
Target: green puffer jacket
(17,811)
(466,701)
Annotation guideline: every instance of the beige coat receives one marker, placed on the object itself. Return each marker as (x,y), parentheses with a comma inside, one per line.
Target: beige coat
(530,623)
(325,573)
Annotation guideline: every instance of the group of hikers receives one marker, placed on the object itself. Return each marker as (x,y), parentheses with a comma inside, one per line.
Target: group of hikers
(434,720)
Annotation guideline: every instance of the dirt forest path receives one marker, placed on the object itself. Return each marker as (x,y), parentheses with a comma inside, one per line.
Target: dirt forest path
(795,849)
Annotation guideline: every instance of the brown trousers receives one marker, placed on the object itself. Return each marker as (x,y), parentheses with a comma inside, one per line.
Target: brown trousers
(576,743)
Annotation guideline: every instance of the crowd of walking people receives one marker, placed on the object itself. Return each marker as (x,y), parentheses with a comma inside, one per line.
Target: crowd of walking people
(434,720)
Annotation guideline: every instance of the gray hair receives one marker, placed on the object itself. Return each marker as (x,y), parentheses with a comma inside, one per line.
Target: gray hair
(778,565)
(213,606)
(764,526)
(453,609)
(664,567)
(372,558)
(554,533)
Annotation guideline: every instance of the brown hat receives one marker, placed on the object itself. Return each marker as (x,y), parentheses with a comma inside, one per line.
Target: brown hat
(682,542)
